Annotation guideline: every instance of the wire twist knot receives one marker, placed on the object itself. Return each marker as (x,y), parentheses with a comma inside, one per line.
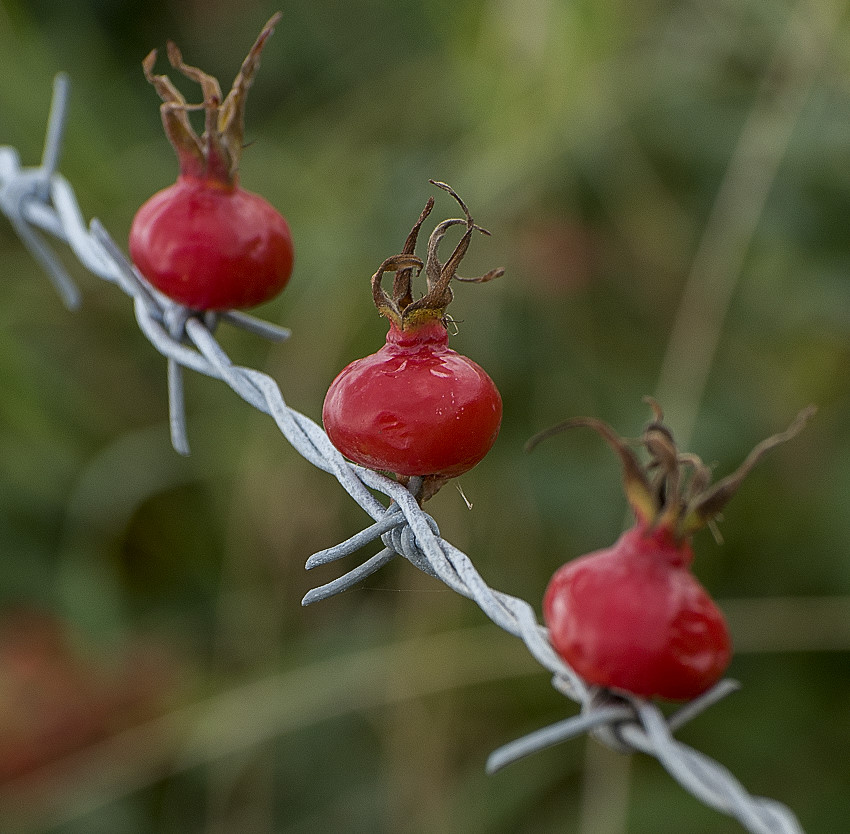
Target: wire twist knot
(403,541)
(611,732)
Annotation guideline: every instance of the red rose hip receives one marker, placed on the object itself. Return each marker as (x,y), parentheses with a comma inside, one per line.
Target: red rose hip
(633,617)
(206,242)
(416,407)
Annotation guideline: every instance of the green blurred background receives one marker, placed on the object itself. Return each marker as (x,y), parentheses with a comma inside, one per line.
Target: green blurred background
(666,184)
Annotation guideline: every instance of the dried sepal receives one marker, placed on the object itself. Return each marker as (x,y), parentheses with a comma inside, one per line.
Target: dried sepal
(231,117)
(639,493)
(713,499)
(403,281)
(217,153)
(674,489)
(405,263)
(208,84)
(218,163)
(174,112)
(401,307)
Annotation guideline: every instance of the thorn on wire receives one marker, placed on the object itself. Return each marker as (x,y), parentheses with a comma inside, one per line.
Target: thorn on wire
(46,257)
(398,540)
(692,709)
(55,130)
(350,579)
(176,398)
(259,327)
(176,317)
(33,185)
(555,734)
(604,711)
(392,518)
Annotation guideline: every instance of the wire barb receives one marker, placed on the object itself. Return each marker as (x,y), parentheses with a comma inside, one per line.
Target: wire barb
(39,199)
(23,188)
(398,538)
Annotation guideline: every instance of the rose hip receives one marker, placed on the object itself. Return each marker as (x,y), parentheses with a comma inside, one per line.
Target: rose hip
(632,617)
(204,241)
(416,407)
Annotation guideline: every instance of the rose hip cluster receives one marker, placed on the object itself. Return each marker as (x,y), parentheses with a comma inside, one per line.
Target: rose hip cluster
(631,617)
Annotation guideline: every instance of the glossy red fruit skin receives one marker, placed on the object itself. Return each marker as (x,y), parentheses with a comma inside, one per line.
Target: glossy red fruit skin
(416,407)
(634,618)
(212,246)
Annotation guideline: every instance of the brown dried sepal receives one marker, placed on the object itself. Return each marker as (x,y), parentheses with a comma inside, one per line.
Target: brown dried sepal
(400,308)
(216,154)
(431,485)
(674,488)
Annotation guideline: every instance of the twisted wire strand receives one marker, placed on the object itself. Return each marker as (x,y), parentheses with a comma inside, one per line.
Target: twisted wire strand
(39,200)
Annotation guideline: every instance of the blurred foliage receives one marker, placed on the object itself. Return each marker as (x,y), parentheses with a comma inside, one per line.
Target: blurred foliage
(592,139)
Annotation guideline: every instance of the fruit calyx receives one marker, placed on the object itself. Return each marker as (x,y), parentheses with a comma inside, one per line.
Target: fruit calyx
(431,332)
(214,155)
(401,309)
(659,540)
(673,492)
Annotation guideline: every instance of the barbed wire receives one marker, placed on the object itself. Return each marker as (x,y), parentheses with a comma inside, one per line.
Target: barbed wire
(39,200)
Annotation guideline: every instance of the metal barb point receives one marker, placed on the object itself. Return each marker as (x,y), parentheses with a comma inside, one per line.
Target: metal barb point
(176,396)
(25,192)
(351,545)
(350,579)
(555,734)
(398,538)
(259,327)
(55,130)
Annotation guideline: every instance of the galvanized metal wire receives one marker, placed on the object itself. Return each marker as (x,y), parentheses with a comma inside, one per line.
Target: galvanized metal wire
(38,201)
